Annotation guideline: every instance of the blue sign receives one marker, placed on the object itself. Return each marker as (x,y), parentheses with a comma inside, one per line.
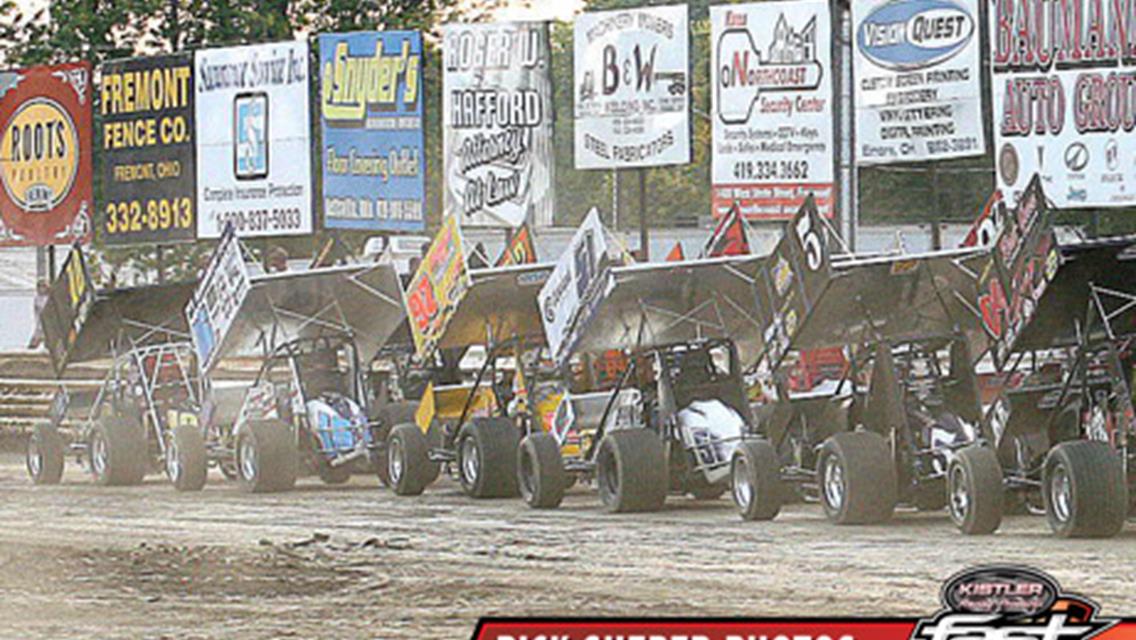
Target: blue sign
(906,35)
(371,117)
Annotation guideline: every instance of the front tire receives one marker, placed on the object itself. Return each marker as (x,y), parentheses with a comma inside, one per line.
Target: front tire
(45,455)
(267,460)
(1084,489)
(187,464)
(540,471)
(487,458)
(117,450)
(631,471)
(408,460)
(975,493)
(389,416)
(756,480)
(857,478)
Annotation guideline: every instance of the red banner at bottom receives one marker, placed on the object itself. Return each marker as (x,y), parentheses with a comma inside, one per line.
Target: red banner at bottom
(754,629)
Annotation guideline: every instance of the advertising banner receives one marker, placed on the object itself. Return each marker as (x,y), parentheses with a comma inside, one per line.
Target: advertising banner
(497,124)
(917,86)
(68,305)
(253,142)
(149,174)
(1063,108)
(374,166)
(566,290)
(437,286)
(45,155)
(632,84)
(218,297)
(772,145)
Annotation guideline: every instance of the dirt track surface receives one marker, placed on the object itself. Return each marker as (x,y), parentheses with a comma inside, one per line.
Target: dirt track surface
(78,561)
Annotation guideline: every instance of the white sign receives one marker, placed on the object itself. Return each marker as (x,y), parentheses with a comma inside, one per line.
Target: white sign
(771,72)
(632,85)
(217,299)
(253,146)
(562,295)
(1064,100)
(917,88)
(497,124)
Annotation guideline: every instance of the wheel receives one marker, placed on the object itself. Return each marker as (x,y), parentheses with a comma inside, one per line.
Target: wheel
(540,471)
(487,458)
(388,416)
(45,455)
(187,464)
(756,479)
(408,460)
(117,449)
(974,485)
(267,460)
(631,471)
(1084,490)
(857,478)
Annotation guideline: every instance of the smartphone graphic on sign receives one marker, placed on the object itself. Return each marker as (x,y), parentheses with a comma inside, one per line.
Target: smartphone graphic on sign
(250,136)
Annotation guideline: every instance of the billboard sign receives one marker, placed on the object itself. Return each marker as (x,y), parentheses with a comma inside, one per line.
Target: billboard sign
(1063,109)
(771,65)
(497,124)
(917,87)
(45,155)
(374,165)
(632,86)
(149,173)
(253,142)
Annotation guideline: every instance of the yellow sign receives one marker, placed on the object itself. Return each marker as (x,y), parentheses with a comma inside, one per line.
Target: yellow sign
(40,152)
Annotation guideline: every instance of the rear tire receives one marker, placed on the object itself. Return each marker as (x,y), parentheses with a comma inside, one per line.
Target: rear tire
(756,480)
(267,459)
(45,455)
(540,471)
(389,416)
(631,471)
(857,478)
(408,460)
(976,495)
(1085,491)
(187,464)
(118,451)
(487,458)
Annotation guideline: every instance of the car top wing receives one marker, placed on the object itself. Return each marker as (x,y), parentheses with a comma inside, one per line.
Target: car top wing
(649,305)
(499,304)
(1108,264)
(365,300)
(81,324)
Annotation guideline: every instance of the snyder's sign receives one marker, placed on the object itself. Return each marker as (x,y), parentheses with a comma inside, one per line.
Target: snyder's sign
(772,108)
(45,155)
(149,173)
(1064,89)
(917,87)
(632,87)
(497,124)
(374,165)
